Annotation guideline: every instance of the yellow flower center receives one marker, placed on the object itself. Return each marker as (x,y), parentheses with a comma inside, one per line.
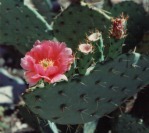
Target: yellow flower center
(45,63)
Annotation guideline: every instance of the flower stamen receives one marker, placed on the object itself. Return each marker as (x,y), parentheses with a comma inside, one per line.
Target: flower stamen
(45,63)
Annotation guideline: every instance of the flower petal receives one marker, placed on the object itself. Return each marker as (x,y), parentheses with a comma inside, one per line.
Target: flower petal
(27,63)
(59,78)
(39,69)
(32,78)
(51,71)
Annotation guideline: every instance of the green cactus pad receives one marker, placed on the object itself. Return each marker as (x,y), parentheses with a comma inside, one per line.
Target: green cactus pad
(77,21)
(90,97)
(135,23)
(21,26)
(84,62)
(128,124)
(115,49)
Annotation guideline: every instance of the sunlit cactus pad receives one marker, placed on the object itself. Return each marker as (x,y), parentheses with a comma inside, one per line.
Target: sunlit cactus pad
(91,97)
(20,25)
(74,23)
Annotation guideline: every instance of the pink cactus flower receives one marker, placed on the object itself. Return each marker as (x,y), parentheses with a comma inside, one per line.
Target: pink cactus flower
(85,48)
(47,60)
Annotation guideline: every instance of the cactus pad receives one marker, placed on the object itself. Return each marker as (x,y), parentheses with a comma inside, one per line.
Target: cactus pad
(115,48)
(91,97)
(21,26)
(77,21)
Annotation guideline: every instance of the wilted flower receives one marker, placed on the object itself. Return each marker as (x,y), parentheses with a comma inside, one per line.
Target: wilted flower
(85,48)
(118,29)
(94,36)
(47,60)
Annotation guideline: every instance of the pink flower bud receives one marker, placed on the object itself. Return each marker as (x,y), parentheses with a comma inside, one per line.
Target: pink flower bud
(118,29)
(94,36)
(85,48)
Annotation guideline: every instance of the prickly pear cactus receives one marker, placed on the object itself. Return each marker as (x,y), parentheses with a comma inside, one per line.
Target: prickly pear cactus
(77,21)
(128,124)
(90,97)
(20,25)
(136,15)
